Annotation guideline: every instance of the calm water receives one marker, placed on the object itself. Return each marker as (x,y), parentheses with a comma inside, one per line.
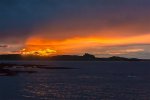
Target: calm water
(90,81)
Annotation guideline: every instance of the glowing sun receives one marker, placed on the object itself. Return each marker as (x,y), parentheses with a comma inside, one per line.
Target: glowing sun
(40,52)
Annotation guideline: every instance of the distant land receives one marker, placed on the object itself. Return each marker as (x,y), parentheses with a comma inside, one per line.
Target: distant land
(85,57)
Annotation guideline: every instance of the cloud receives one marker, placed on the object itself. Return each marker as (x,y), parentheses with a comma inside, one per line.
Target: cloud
(125,22)
(133,50)
(65,18)
(3,46)
(120,52)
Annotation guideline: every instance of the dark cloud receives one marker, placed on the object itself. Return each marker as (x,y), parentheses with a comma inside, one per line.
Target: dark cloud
(27,14)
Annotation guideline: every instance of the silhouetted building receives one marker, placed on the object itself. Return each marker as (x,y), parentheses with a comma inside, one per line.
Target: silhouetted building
(88,56)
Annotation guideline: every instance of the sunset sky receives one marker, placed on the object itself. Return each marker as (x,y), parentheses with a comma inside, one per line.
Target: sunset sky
(100,27)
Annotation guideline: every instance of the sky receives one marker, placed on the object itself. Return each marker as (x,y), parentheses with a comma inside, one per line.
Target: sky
(100,27)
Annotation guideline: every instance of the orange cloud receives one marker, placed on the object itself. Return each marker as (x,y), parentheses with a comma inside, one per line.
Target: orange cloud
(79,44)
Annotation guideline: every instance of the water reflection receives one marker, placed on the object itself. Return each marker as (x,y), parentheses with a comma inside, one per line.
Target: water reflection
(55,85)
(69,85)
(36,86)
(102,81)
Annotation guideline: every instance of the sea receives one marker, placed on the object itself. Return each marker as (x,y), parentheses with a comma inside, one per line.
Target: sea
(85,80)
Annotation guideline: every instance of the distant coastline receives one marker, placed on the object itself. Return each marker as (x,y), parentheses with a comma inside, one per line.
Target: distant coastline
(85,57)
